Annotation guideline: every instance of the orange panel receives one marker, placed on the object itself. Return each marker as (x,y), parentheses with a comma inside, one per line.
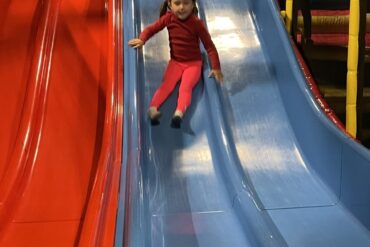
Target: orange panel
(55,234)
(15,39)
(56,126)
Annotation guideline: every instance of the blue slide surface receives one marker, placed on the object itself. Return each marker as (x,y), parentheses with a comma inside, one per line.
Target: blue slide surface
(256,162)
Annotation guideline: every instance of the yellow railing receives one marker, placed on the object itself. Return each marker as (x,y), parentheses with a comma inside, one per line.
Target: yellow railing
(288,15)
(352,65)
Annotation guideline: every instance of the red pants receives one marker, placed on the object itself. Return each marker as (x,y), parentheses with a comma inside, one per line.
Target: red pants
(188,72)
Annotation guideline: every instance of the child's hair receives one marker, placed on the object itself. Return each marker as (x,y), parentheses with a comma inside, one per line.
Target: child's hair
(164,7)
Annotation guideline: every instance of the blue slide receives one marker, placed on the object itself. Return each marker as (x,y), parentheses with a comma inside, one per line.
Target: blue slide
(256,162)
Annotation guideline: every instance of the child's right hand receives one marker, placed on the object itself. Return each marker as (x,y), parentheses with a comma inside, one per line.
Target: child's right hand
(136,43)
(217,74)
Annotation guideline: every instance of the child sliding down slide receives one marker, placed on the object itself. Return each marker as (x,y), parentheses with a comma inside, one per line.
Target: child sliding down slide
(185,30)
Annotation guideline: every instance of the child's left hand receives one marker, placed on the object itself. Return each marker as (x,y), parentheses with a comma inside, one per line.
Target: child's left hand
(217,74)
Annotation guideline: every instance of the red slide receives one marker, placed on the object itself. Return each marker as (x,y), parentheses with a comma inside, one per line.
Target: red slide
(61,121)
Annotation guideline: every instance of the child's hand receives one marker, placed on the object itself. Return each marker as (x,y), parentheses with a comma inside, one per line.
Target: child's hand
(136,43)
(217,74)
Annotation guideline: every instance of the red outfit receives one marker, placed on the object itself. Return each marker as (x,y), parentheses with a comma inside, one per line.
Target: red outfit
(189,73)
(184,38)
(186,60)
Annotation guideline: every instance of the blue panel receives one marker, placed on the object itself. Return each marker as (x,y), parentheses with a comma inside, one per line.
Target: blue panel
(263,137)
(312,129)
(320,226)
(342,164)
(256,162)
(175,189)
(356,183)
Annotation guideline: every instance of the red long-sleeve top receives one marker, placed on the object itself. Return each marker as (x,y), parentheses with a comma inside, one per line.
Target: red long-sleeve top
(184,36)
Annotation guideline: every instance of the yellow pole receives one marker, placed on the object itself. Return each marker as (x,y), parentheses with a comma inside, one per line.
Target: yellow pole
(352,63)
(288,15)
(283,14)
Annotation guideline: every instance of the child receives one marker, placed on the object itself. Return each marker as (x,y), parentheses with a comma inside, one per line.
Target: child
(184,29)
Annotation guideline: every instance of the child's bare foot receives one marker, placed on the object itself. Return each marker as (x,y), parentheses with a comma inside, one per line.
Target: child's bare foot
(177,119)
(154,115)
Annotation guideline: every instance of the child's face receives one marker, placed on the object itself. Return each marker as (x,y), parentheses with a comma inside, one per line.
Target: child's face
(181,8)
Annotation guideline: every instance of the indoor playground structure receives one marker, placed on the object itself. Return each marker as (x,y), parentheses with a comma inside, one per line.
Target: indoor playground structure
(261,160)
(334,38)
